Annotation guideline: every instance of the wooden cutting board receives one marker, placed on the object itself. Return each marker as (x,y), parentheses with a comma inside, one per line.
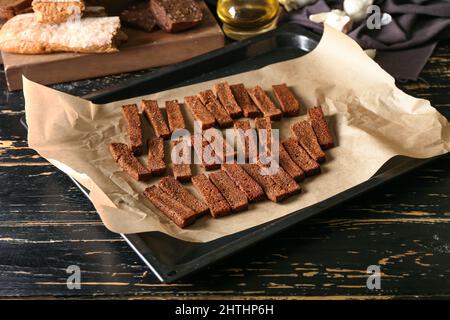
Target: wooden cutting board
(143,50)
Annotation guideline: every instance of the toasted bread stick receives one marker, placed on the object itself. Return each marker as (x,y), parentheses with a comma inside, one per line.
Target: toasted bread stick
(156,154)
(320,127)
(264,103)
(200,113)
(215,107)
(215,136)
(289,165)
(133,123)
(182,170)
(288,102)
(217,204)
(176,190)
(205,152)
(123,156)
(301,157)
(226,97)
(244,101)
(246,184)
(264,129)
(155,118)
(174,116)
(305,135)
(176,211)
(272,189)
(246,139)
(286,181)
(236,199)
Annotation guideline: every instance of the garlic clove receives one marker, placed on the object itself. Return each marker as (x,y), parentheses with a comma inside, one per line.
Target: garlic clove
(357,9)
(337,19)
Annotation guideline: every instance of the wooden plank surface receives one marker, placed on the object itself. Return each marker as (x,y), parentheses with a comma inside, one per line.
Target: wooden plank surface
(46,224)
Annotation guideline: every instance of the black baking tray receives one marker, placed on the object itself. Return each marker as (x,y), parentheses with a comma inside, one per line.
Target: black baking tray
(170,258)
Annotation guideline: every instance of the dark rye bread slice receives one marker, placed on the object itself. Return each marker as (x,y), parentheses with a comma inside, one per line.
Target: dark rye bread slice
(155,117)
(246,139)
(236,199)
(272,189)
(226,97)
(289,165)
(301,157)
(176,211)
(244,101)
(264,129)
(156,155)
(138,16)
(228,153)
(176,15)
(245,183)
(182,170)
(176,190)
(264,103)
(205,152)
(305,135)
(286,181)
(320,127)
(217,204)
(133,123)
(288,102)
(211,103)
(123,156)
(199,111)
(174,116)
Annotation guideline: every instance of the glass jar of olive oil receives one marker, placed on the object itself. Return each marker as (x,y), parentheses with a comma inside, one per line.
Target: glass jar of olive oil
(245,18)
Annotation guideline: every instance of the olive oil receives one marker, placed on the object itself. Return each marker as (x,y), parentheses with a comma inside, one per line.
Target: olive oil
(245,18)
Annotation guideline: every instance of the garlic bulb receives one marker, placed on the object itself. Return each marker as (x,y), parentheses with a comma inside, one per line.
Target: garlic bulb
(295,4)
(357,9)
(336,19)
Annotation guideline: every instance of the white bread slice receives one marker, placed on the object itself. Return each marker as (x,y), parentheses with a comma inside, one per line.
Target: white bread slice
(23,34)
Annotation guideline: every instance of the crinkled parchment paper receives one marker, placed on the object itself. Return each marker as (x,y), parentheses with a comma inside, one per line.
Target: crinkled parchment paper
(370,118)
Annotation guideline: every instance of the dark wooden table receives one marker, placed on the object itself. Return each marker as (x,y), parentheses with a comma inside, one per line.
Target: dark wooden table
(47,224)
